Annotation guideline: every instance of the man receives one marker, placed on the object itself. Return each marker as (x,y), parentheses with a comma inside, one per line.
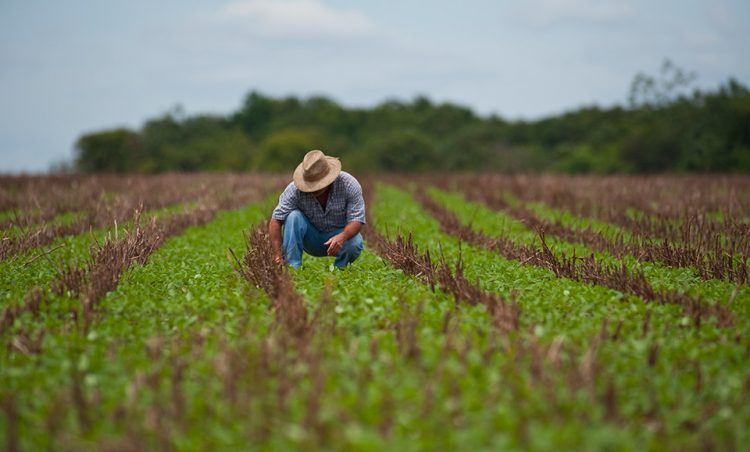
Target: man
(322,211)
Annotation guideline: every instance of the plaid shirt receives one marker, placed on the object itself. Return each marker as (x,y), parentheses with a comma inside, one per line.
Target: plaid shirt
(345,204)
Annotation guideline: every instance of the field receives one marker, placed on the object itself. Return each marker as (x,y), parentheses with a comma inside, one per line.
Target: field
(486,312)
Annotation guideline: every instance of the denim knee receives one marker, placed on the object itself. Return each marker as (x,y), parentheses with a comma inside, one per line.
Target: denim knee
(353,246)
(357,243)
(295,216)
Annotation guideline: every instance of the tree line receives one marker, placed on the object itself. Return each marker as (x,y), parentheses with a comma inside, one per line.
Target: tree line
(663,128)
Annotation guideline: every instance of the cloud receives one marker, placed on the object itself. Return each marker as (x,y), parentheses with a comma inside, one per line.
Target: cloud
(291,19)
(545,13)
(294,43)
(702,39)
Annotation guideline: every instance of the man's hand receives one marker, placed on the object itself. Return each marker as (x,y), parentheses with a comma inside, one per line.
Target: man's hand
(335,244)
(278,259)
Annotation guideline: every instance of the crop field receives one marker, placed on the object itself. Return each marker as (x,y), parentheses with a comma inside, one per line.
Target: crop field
(486,312)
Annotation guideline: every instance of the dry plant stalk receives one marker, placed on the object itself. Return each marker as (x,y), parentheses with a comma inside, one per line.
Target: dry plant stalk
(260,270)
(101,200)
(681,236)
(402,253)
(586,269)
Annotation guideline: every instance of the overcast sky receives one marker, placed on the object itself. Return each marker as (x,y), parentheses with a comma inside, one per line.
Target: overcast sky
(68,67)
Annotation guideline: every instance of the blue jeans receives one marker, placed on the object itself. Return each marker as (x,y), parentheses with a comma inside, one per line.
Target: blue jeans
(300,234)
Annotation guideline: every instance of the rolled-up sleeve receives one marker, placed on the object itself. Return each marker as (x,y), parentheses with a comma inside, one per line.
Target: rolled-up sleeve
(355,202)
(287,203)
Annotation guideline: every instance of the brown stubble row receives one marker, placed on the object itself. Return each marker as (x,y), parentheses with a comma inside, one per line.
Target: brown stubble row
(297,339)
(51,195)
(585,269)
(91,281)
(578,368)
(672,208)
(306,335)
(608,197)
(89,284)
(104,200)
(260,270)
(715,250)
(260,374)
(404,255)
(257,373)
(590,373)
(264,374)
(35,199)
(705,253)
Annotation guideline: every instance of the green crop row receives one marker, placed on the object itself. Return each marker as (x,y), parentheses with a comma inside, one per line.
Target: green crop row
(36,267)
(185,355)
(440,396)
(610,230)
(188,285)
(570,219)
(660,276)
(555,307)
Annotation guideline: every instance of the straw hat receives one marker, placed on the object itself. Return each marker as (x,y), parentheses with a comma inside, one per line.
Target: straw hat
(316,171)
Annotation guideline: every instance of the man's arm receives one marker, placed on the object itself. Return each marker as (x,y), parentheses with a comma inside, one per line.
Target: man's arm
(336,242)
(287,203)
(274,234)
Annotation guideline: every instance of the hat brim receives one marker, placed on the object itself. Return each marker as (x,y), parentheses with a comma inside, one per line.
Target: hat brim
(334,166)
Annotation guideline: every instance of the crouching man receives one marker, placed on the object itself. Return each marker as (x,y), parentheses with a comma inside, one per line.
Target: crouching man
(321,212)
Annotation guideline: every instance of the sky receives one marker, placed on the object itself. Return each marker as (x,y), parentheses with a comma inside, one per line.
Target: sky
(72,67)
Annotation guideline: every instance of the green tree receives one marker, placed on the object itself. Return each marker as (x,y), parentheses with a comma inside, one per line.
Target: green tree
(215,149)
(111,150)
(652,148)
(662,129)
(283,150)
(402,150)
(653,92)
(255,115)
